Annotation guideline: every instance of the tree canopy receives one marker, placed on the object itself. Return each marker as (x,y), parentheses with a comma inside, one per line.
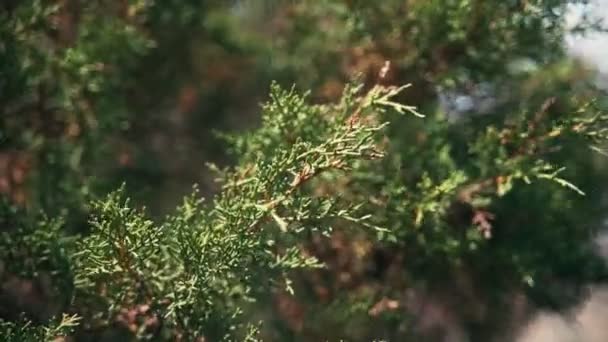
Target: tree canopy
(418,170)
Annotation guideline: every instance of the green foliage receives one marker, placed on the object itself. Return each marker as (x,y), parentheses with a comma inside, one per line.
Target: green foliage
(26,332)
(71,90)
(469,205)
(448,42)
(60,75)
(198,269)
(32,249)
(478,203)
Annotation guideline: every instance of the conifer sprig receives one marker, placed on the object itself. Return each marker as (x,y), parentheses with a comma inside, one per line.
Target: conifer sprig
(197,270)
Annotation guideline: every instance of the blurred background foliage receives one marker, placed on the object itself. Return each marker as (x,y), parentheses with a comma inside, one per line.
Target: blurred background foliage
(96,93)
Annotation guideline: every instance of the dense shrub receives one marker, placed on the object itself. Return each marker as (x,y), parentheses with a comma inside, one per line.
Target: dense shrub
(325,222)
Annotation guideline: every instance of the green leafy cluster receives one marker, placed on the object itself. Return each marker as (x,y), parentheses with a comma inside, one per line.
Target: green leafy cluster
(72,90)
(470,206)
(480,203)
(195,272)
(61,67)
(26,332)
